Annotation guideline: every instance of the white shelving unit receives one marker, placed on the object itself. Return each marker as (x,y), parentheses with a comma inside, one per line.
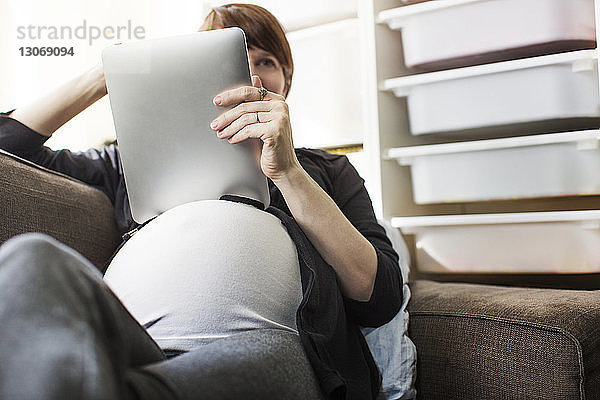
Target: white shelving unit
(391,148)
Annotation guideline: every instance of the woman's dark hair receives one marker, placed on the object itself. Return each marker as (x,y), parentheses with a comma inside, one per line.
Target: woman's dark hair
(262,30)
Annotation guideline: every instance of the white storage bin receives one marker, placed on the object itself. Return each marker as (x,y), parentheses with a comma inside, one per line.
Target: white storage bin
(543,88)
(438,34)
(544,242)
(532,166)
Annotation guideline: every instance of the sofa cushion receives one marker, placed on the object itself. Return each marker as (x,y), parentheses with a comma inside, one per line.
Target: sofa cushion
(493,342)
(35,199)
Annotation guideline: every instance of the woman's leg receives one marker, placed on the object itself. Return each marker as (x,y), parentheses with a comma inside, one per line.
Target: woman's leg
(63,333)
(256,364)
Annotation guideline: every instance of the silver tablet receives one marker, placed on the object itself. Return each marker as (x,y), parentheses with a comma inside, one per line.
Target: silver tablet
(161,93)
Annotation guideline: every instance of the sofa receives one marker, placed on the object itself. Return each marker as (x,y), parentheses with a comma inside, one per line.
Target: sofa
(474,341)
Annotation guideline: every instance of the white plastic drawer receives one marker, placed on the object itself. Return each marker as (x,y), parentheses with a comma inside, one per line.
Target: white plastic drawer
(541,242)
(523,167)
(540,89)
(451,33)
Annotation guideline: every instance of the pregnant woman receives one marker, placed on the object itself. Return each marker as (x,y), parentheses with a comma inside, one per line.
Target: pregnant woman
(315,265)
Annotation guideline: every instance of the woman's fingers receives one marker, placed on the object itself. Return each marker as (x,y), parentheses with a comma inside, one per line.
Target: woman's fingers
(256,82)
(239,95)
(256,131)
(277,111)
(244,94)
(235,113)
(244,120)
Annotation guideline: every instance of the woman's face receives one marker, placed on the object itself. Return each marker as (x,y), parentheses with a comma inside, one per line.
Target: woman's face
(266,66)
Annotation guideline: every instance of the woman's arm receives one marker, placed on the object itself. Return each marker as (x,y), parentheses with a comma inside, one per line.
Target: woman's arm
(340,244)
(50,112)
(24,132)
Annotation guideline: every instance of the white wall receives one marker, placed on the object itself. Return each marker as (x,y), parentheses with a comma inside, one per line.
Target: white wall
(25,78)
(296,14)
(325,99)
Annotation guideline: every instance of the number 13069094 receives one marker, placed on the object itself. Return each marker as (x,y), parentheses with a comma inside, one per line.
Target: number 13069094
(46,51)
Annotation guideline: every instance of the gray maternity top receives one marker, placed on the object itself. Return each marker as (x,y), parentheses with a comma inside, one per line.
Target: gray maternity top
(206,270)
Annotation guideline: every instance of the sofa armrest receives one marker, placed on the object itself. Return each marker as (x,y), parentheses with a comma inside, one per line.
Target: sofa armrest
(35,199)
(493,342)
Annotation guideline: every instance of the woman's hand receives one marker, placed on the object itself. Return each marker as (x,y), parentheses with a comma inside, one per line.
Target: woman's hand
(267,119)
(342,246)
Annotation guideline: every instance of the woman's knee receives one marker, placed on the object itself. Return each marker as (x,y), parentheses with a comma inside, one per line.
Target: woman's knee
(33,241)
(39,252)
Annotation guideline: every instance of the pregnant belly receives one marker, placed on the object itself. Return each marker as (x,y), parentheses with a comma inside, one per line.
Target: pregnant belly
(206,270)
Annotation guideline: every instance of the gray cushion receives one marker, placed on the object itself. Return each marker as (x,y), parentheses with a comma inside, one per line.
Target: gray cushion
(35,199)
(492,342)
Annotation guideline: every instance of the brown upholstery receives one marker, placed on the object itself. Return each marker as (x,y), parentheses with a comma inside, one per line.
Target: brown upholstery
(473,341)
(494,342)
(34,199)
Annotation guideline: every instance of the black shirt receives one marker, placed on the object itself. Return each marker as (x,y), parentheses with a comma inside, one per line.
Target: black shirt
(328,322)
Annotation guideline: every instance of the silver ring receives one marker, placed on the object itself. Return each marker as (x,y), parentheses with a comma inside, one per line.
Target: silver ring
(257,120)
(263,93)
